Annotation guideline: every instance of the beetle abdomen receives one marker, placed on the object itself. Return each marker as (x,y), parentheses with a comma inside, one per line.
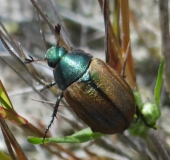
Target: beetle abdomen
(105,103)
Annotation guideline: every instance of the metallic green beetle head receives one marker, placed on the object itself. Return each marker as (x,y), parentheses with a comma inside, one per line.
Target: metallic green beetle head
(54,54)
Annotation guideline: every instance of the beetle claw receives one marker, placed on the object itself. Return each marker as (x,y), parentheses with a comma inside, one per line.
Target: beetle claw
(48,86)
(27,60)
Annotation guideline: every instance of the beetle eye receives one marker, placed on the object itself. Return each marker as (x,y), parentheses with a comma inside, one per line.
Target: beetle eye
(50,64)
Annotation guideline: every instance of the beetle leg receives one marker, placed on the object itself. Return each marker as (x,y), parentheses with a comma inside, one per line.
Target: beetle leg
(54,114)
(48,86)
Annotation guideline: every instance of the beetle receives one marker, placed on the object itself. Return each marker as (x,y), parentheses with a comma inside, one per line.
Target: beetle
(98,95)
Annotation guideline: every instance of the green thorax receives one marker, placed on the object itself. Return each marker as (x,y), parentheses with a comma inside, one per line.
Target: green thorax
(68,66)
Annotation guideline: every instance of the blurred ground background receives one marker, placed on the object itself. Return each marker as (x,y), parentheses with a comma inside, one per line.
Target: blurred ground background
(84,25)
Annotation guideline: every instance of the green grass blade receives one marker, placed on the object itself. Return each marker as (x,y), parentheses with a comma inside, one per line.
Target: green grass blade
(158,86)
(4,99)
(79,137)
(3,156)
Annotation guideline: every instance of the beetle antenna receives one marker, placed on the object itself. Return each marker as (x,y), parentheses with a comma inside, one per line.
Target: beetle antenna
(31,59)
(125,60)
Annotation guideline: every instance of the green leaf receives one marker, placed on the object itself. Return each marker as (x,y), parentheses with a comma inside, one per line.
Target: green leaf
(158,86)
(138,99)
(149,111)
(3,156)
(4,99)
(7,111)
(78,137)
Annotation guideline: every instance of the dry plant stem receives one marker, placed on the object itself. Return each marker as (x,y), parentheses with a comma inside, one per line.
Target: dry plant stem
(7,142)
(125,23)
(114,49)
(17,73)
(56,35)
(165,37)
(159,145)
(125,40)
(68,44)
(106,19)
(11,52)
(12,140)
(109,146)
(31,130)
(125,60)
(143,153)
(42,32)
(6,35)
(57,153)
(116,19)
(71,154)
(13,44)
(43,16)
(19,62)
